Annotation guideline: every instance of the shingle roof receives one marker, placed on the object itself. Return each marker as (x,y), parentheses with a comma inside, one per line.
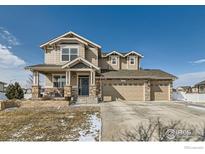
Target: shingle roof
(43,66)
(147,73)
(200,83)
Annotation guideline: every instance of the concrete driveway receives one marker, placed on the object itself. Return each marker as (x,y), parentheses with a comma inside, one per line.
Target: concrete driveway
(120,116)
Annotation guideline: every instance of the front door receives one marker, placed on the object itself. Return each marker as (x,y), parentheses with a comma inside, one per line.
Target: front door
(83,85)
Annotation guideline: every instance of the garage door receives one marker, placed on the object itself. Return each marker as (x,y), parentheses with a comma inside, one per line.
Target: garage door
(123,89)
(160,91)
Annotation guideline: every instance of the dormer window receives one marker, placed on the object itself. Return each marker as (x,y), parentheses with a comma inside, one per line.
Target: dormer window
(132,60)
(114,60)
(69,53)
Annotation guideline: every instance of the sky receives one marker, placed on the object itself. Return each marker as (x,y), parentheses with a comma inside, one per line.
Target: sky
(171,38)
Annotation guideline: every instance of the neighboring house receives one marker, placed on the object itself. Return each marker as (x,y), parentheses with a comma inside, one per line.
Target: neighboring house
(200,87)
(194,89)
(186,89)
(75,67)
(2,86)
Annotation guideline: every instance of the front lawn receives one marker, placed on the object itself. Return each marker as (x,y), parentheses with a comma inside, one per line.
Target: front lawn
(50,124)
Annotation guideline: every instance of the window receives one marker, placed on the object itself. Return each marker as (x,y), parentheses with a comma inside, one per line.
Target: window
(69,54)
(114,60)
(59,81)
(132,60)
(73,53)
(65,54)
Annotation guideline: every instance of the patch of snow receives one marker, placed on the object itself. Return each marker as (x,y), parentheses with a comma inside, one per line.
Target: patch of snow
(2,96)
(63,123)
(22,131)
(197,107)
(94,130)
(10,109)
(27,96)
(39,137)
(71,116)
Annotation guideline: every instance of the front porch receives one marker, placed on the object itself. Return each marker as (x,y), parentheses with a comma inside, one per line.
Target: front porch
(71,83)
(71,80)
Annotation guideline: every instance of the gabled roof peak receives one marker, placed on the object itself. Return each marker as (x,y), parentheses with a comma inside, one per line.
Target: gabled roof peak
(68,33)
(123,54)
(80,59)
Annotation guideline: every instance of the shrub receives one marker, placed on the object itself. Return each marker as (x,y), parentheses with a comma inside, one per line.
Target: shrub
(14,91)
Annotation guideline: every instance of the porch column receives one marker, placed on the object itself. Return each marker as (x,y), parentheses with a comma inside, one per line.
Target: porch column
(35,86)
(68,87)
(35,78)
(68,78)
(92,78)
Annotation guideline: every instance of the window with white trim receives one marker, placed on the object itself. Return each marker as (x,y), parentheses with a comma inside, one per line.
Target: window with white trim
(59,81)
(114,60)
(69,54)
(132,60)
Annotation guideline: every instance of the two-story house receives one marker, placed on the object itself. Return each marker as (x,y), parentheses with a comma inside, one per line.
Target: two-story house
(76,67)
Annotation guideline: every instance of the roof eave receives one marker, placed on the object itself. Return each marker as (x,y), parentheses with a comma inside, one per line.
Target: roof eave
(138,77)
(70,32)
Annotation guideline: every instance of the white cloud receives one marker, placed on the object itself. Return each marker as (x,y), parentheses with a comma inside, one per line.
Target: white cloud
(8,59)
(7,38)
(11,66)
(14,75)
(198,61)
(189,79)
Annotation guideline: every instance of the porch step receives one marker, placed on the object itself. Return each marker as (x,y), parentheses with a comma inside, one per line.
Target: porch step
(86,100)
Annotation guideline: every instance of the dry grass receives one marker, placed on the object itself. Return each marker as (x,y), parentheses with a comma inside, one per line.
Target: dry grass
(45,123)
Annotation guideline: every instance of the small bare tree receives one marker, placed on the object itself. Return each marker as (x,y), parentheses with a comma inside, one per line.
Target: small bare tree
(156,130)
(201,134)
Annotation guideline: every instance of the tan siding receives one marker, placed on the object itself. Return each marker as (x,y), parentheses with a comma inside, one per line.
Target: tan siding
(53,56)
(48,80)
(104,63)
(160,90)
(123,63)
(91,54)
(73,79)
(117,66)
(132,90)
(130,66)
(82,50)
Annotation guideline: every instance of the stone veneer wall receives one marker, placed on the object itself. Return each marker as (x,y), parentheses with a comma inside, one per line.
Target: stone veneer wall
(147,90)
(36,92)
(67,91)
(98,88)
(171,90)
(92,90)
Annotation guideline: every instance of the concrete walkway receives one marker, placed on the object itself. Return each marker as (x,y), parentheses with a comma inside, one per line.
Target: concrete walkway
(118,117)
